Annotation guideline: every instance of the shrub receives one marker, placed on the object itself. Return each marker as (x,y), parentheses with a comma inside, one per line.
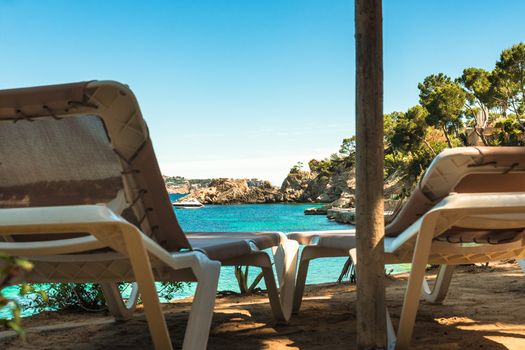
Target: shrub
(11,267)
(87,296)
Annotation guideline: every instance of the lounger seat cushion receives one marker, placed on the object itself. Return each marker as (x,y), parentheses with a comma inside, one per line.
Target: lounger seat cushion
(345,239)
(226,245)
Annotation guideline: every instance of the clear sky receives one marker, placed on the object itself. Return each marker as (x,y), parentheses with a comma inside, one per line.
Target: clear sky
(246,88)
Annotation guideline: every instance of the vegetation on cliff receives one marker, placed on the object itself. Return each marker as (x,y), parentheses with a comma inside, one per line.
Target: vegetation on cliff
(479,108)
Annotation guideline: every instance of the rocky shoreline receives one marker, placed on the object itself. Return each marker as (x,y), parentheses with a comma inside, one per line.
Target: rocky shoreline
(334,187)
(236,191)
(330,181)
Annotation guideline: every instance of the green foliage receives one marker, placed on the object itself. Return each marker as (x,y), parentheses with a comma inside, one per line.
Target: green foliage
(11,267)
(345,157)
(444,100)
(491,103)
(411,164)
(297,168)
(507,132)
(389,123)
(347,148)
(478,86)
(508,80)
(85,296)
(324,167)
(69,296)
(410,149)
(409,130)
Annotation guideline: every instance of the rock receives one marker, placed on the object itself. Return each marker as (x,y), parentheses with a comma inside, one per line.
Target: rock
(236,191)
(336,187)
(345,200)
(344,216)
(316,211)
(295,184)
(177,189)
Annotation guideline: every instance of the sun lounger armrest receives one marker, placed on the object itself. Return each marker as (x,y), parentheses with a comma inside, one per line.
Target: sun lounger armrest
(41,219)
(473,210)
(107,228)
(483,210)
(56,220)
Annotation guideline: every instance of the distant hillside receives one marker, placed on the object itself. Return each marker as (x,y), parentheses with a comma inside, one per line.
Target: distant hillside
(179,184)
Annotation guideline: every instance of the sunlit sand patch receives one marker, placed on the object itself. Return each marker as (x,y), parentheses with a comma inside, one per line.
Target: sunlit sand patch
(282,343)
(509,342)
(491,320)
(455,320)
(233,310)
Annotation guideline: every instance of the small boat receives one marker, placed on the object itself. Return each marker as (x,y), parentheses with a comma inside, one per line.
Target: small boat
(189,204)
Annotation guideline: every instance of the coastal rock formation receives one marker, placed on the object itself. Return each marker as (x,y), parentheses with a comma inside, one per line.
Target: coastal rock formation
(176,184)
(295,185)
(181,185)
(178,189)
(336,188)
(316,211)
(235,191)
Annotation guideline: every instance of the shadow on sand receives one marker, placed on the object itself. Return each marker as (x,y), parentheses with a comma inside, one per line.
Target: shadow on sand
(481,312)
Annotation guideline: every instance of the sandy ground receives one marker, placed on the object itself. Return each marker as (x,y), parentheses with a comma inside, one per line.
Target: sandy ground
(485,309)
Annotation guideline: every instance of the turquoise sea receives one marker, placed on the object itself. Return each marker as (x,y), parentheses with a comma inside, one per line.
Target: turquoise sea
(255,217)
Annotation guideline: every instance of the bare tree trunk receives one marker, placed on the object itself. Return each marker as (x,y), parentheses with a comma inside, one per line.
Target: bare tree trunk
(429,146)
(371,320)
(242,279)
(446,136)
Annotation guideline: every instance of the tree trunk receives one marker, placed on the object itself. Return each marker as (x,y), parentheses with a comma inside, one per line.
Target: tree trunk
(429,146)
(446,136)
(371,320)
(242,279)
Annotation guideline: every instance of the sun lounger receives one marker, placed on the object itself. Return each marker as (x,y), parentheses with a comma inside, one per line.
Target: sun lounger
(82,197)
(469,207)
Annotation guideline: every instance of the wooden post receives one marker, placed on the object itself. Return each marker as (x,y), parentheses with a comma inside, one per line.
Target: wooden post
(371,309)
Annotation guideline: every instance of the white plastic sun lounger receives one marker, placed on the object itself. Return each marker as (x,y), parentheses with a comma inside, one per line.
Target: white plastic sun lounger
(82,197)
(468,208)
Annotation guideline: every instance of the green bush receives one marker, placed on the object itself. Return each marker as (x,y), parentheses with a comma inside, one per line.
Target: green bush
(87,296)
(11,267)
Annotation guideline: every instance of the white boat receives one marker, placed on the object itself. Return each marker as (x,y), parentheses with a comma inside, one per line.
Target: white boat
(191,203)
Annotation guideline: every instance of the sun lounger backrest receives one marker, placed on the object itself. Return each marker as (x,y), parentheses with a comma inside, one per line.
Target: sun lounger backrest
(83,143)
(463,170)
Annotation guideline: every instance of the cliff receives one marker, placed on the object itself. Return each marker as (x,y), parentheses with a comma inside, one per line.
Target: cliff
(234,191)
(335,188)
(333,184)
(179,184)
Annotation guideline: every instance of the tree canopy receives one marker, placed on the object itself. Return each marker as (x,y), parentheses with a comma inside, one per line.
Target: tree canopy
(480,107)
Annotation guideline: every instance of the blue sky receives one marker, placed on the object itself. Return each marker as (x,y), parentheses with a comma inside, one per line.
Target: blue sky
(246,88)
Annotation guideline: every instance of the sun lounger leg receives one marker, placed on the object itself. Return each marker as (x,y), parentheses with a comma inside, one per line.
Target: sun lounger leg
(300,283)
(117,307)
(273,294)
(198,328)
(288,260)
(390,332)
(141,265)
(353,255)
(413,291)
(438,293)
(521,262)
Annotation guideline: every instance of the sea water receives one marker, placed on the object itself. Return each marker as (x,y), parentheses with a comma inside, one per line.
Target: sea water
(253,217)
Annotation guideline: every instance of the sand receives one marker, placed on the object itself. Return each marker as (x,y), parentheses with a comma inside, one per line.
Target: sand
(485,309)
